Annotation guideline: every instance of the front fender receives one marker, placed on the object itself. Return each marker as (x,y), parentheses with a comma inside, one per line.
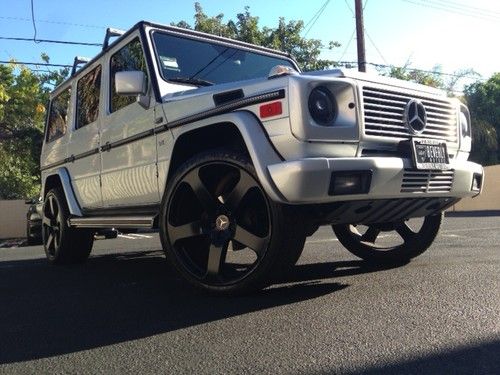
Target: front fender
(256,140)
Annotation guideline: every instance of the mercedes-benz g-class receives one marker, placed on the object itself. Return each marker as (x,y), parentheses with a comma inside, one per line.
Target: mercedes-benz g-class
(236,157)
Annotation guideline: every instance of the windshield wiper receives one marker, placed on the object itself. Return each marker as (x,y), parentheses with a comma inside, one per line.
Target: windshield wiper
(192,81)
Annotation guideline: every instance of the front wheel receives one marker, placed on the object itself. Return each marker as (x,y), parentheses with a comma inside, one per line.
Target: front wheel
(219,229)
(390,242)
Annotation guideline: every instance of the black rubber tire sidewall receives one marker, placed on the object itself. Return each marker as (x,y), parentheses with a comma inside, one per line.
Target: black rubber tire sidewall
(75,245)
(286,236)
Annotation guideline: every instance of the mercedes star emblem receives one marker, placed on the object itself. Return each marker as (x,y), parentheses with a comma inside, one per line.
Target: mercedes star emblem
(222,222)
(415,116)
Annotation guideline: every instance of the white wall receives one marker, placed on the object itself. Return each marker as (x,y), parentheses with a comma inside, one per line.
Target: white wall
(489,198)
(13,219)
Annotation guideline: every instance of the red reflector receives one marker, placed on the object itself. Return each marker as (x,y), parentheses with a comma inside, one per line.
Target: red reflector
(270,109)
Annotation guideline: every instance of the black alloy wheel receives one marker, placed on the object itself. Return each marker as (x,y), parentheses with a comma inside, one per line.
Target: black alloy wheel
(62,243)
(389,242)
(52,225)
(220,230)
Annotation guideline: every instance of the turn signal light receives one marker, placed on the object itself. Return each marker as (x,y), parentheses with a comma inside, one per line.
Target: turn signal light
(270,109)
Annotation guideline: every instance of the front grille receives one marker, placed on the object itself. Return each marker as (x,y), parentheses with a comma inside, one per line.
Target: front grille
(424,181)
(384,110)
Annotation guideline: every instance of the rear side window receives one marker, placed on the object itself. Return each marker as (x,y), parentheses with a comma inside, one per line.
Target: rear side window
(88,90)
(130,57)
(58,115)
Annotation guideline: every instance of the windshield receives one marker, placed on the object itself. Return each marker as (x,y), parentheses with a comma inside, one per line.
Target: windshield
(203,63)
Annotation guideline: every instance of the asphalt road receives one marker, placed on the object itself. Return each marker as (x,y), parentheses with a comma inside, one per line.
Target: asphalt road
(126,312)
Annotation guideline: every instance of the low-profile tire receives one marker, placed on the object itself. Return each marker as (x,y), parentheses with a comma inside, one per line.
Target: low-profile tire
(219,229)
(414,242)
(62,243)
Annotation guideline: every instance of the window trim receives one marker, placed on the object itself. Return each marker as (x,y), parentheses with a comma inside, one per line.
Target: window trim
(207,40)
(76,96)
(51,102)
(110,78)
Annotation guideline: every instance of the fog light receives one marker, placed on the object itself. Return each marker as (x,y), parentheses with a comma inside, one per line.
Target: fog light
(477,181)
(350,182)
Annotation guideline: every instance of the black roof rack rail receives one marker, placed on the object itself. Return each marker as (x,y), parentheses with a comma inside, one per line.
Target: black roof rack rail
(78,60)
(110,32)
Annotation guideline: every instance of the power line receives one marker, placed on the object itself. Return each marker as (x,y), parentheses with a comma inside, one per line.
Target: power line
(409,69)
(376,48)
(348,44)
(338,62)
(463,7)
(51,41)
(316,17)
(365,31)
(36,64)
(53,22)
(445,8)
(33,21)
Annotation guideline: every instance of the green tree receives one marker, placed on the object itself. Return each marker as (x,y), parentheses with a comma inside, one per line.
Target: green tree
(285,37)
(406,73)
(483,100)
(23,95)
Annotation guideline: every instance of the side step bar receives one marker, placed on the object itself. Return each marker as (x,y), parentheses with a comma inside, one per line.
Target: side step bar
(113,222)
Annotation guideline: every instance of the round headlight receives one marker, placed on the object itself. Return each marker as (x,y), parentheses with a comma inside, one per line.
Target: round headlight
(464,125)
(322,106)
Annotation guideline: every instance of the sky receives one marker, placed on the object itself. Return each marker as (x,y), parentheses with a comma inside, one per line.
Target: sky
(454,34)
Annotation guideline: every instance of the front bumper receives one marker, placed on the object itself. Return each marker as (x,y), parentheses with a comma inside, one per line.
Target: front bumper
(308,181)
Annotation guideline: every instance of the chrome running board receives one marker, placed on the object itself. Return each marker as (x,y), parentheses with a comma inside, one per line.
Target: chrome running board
(113,222)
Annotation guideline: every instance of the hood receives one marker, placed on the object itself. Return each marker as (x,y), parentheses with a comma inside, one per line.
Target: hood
(375,78)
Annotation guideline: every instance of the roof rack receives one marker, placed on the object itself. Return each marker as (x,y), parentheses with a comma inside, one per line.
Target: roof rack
(77,61)
(110,32)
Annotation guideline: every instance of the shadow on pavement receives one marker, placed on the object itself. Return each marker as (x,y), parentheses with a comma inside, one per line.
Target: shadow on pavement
(481,358)
(48,311)
(484,213)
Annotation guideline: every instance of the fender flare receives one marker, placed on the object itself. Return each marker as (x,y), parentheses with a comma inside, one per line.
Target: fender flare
(65,179)
(257,142)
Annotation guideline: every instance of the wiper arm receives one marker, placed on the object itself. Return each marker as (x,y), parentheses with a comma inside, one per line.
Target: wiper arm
(192,81)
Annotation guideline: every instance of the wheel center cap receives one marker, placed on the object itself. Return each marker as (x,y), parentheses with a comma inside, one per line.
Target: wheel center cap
(222,222)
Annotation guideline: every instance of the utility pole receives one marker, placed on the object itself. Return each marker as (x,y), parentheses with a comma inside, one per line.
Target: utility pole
(360,36)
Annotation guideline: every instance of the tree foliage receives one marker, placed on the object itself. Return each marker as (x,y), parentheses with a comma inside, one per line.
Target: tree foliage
(285,37)
(23,95)
(432,79)
(483,100)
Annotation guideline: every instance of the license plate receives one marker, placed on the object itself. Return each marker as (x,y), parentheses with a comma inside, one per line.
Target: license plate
(430,154)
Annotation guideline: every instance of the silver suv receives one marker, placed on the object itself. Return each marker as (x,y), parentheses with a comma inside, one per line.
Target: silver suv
(236,157)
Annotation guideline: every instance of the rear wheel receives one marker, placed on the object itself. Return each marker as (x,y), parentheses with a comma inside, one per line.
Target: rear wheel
(62,243)
(391,242)
(219,229)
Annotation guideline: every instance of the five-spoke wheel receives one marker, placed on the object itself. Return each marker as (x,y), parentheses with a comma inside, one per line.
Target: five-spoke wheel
(52,225)
(62,243)
(220,230)
(389,242)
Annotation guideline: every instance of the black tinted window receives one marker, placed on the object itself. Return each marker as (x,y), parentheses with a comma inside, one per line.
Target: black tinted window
(58,115)
(88,90)
(128,58)
(186,58)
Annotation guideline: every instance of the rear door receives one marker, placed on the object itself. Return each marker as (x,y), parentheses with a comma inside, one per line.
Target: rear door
(84,142)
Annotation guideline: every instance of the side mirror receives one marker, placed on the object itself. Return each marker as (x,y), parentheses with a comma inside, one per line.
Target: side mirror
(130,83)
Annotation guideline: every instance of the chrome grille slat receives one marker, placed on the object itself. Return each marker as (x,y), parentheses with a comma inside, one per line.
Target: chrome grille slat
(427,181)
(384,111)
(396,94)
